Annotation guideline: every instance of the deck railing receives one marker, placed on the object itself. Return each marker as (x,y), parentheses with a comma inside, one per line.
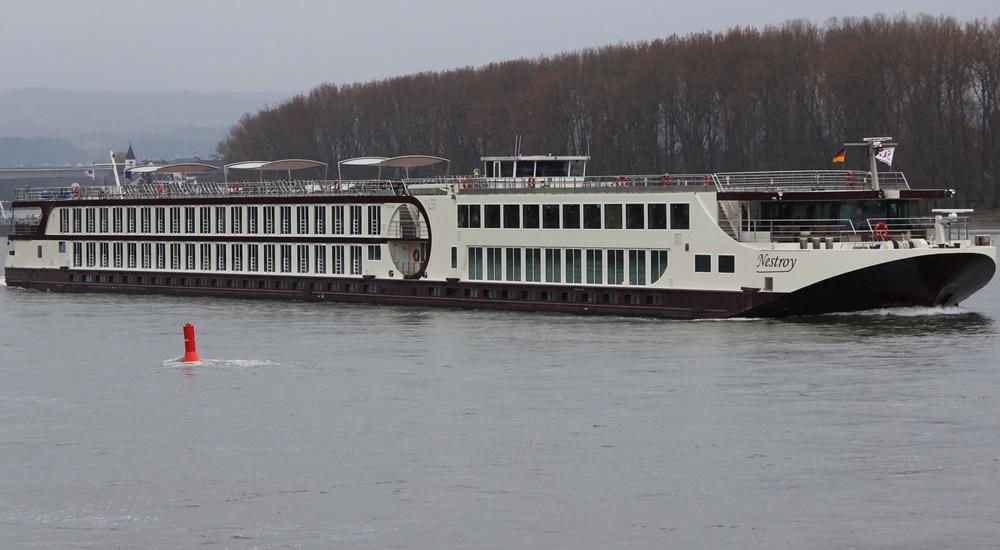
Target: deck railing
(663,182)
(846,230)
(814,180)
(177,189)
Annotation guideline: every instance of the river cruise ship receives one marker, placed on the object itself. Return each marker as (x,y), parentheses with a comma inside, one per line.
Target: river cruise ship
(530,233)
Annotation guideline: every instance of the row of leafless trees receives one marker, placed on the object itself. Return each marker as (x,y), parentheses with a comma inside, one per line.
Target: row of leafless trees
(780,98)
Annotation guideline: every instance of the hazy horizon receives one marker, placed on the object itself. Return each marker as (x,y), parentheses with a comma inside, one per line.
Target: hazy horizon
(256,46)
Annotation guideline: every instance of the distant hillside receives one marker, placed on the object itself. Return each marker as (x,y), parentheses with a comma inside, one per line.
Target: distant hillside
(777,98)
(47,127)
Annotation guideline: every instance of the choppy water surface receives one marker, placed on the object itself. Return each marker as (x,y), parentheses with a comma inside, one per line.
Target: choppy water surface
(329,426)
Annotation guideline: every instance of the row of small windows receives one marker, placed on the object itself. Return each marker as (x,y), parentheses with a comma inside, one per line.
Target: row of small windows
(549,296)
(223,220)
(570,265)
(263,284)
(266,258)
(575,216)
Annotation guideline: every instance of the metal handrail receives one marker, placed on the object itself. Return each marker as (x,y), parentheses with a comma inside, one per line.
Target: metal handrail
(792,230)
(177,189)
(623,182)
(809,179)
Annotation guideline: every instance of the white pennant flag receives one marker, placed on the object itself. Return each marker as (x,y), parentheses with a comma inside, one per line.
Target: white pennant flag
(885,155)
(89,173)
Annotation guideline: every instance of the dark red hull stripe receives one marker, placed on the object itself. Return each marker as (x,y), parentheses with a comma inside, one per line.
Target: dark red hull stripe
(668,303)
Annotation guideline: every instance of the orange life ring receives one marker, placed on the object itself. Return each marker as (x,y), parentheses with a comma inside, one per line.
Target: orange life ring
(880,231)
(416,254)
(664,180)
(234,187)
(336,185)
(465,183)
(159,189)
(622,181)
(531,182)
(706,179)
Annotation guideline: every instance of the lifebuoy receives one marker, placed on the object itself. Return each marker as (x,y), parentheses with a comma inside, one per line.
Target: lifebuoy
(76,192)
(531,182)
(664,180)
(336,185)
(416,254)
(234,187)
(706,179)
(465,183)
(880,231)
(622,181)
(159,189)
(849,178)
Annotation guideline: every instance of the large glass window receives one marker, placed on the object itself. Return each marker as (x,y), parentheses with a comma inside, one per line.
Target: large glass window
(591,216)
(146,216)
(102,223)
(206,257)
(550,216)
(77,216)
(130,220)
(116,220)
(680,216)
(475,263)
(285,213)
(374,219)
(286,258)
(63,220)
(269,219)
(252,252)
(657,216)
(303,263)
(533,265)
(355,219)
(302,217)
(220,257)
(90,215)
(529,216)
(574,265)
(320,251)
(319,213)
(161,255)
(616,267)
(553,265)
(269,258)
(571,216)
(237,252)
(190,260)
(595,267)
(252,213)
(494,264)
(634,218)
(338,258)
(189,221)
(175,219)
(220,219)
(657,264)
(338,220)
(511,216)
(513,264)
(636,267)
(491,216)
(612,216)
(236,219)
(206,219)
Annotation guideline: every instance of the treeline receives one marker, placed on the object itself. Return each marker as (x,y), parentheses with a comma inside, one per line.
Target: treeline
(748,99)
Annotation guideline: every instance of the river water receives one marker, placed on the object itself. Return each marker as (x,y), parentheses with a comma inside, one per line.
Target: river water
(343,426)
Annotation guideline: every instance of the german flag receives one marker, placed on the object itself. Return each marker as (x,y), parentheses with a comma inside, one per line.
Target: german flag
(840,156)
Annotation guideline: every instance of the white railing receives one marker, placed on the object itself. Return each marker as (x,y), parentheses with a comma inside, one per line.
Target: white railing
(177,189)
(813,180)
(846,230)
(662,182)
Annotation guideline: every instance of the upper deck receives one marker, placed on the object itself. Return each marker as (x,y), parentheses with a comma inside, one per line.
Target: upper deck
(725,182)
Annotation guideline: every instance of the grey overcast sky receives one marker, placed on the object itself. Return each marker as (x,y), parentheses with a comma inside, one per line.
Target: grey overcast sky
(292,45)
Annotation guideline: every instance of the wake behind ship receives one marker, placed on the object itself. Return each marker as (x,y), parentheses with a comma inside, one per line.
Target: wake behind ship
(532,233)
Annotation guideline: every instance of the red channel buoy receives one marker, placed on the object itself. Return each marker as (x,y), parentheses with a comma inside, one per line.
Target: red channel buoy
(190,348)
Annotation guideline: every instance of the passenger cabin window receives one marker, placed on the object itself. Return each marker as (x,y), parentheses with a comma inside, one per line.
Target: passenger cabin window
(634,216)
(530,216)
(680,216)
(612,216)
(702,263)
(657,216)
(491,216)
(571,216)
(468,215)
(550,216)
(511,216)
(591,216)
(727,263)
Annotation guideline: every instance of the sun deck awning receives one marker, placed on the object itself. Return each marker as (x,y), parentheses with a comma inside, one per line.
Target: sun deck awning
(404,161)
(286,165)
(179,168)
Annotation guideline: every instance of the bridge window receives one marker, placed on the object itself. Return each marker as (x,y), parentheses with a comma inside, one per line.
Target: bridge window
(634,218)
(530,216)
(612,216)
(511,216)
(550,216)
(571,216)
(657,216)
(491,216)
(680,216)
(591,216)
